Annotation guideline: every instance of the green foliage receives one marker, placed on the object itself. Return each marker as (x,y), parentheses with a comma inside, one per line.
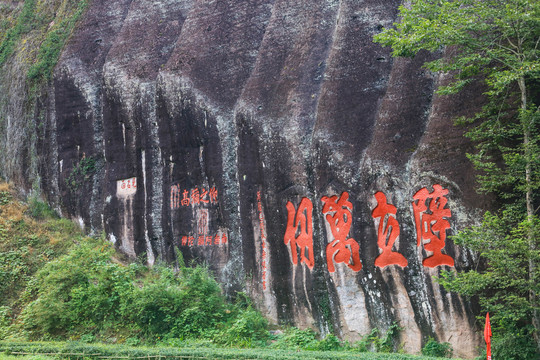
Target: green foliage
(193,351)
(514,343)
(86,294)
(81,289)
(5,321)
(435,348)
(25,246)
(493,38)
(81,172)
(503,285)
(25,23)
(497,43)
(247,329)
(295,338)
(52,45)
(40,210)
(329,343)
(374,340)
(5,197)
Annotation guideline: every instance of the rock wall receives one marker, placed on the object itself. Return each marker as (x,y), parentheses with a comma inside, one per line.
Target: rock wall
(270,139)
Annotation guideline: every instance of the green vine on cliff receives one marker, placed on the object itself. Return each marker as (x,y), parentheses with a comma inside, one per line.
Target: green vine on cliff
(49,51)
(81,172)
(24,24)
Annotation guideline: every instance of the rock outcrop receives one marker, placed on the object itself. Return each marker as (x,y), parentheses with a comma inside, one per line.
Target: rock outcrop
(254,136)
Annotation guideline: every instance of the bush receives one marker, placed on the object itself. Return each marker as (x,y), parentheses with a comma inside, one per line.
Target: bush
(40,210)
(434,348)
(82,289)
(514,344)
(329,343)
(5,321)
(296,339)
(247,329)
(87,295)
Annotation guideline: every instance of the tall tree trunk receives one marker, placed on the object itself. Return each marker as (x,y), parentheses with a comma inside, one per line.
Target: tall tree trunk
(526,124)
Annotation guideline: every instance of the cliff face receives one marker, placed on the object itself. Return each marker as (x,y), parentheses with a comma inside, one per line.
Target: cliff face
(269,139)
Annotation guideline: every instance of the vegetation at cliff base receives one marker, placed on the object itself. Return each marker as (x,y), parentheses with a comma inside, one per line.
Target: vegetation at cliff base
(496,43)
(56,284)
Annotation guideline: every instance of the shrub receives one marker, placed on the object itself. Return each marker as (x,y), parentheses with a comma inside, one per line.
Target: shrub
(329,343)
(514,344)
(40,210)
(81,289)
(435,348)
(85,294)
(374,341)
(296,339)
(5,321)
(248,328)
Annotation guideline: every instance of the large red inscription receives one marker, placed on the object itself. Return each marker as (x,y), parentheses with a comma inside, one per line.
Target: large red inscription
(339,217)
(299,232)
(387,233)
(430,217)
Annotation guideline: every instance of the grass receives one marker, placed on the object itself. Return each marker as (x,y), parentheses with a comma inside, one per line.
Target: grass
(44,258)
(77,350)
(37,33)
(25,357)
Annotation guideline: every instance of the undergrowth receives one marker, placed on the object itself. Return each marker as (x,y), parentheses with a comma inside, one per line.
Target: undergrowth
(25,23)
(57,284)
(77,350)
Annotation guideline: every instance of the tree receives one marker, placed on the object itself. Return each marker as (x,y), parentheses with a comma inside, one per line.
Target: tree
(495,42)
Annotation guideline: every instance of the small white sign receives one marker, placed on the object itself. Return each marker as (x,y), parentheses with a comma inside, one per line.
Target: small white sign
(126,187)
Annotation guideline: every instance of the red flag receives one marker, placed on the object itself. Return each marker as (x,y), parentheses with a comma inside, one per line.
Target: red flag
(487,336)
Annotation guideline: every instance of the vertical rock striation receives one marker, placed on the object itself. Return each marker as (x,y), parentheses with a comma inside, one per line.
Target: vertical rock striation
(188,126)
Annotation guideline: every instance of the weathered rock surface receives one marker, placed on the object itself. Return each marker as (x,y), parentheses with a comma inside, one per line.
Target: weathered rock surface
(220,113)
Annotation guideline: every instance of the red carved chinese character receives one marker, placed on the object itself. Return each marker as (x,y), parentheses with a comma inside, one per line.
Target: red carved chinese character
(390,232)
(204,194)
(208,240)
(135,182)
(217,239)
(191,240)
(195,198)
(339,217)
(432,226)
(185,199)
(213,193)
(304,240)
(184,240)
(123,186)
(200,242)
(224,238)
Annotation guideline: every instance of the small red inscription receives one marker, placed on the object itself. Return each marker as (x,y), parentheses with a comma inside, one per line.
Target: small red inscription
(387,233)
(339,217)
(430,219)
(185,200)
(204,240)
(300,221)
(191,197)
